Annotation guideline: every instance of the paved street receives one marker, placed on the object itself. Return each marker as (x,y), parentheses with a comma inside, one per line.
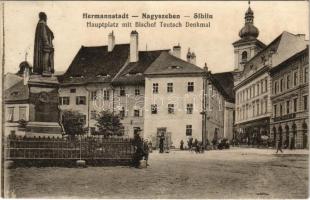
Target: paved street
(234,173)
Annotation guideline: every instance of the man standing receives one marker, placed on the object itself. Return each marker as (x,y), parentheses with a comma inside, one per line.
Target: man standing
(279,147)
(161,143)
(43,59)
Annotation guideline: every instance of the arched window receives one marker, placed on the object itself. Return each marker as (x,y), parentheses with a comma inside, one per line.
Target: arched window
(287,137)
(244,56)
(305,135)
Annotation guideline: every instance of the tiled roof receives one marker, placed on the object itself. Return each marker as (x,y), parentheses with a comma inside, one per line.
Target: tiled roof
(96,64)
(167,64)
(284,46)
(10,80)
(17,92)
(226,80)
(292,58)
(133,73)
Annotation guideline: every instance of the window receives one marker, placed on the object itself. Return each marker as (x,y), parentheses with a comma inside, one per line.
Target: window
(266,102)
(295,78)
(288,82)
(80,100)
(287,107)
(72,90)
(106,95)
(254,91)
(93,95)
(254,109)
(257,89)
(122,91)
(190,86)
(275,87)
(295,104)
(305,102)
(93,114)
(189,130)
(137,91)
(250,92)
(64,100)
(155,87)
(136,113)
(82,119)
(154,109)
(257,108)
(244,56)
(92,130)
(10,114)
(189,108)
(169,87)
(306,74)
(170,108)
(122,113)
(281,85)
(22,113)
(266,86)
(274,110)
(262,86)
(280,109)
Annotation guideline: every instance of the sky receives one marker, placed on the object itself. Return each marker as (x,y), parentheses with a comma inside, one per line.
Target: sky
(211,45)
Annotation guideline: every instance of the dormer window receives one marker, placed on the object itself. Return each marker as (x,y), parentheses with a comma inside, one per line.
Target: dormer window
(15,93)
(174,67)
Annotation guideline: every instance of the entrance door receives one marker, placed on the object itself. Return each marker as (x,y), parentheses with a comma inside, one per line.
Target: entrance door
(167,136)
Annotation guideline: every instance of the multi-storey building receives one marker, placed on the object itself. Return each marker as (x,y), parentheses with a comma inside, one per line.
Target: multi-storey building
(108,78)
(252,80)
(182,101)
(290,90)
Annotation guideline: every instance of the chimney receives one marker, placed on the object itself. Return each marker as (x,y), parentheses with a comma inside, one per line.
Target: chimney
(26,75)
(193,58)
(189,55)
(111,41)
(134,43)
(205,68)
(177,51)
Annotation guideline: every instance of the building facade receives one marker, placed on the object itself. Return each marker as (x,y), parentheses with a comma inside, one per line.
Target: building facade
(252,82)
(290,90)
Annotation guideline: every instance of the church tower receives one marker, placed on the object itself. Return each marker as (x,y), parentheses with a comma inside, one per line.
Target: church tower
(248,45)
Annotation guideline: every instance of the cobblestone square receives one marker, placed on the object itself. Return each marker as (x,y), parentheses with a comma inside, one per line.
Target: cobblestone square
(233,173)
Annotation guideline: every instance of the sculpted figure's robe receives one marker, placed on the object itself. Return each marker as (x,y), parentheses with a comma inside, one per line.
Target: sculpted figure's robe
(43,60)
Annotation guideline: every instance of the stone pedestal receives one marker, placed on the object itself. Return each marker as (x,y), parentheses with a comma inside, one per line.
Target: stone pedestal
(44,113)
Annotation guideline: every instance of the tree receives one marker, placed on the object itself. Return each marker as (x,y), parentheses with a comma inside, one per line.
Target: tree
(109,124)
(73,123)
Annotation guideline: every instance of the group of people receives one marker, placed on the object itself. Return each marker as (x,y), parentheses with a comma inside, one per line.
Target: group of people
(193,145)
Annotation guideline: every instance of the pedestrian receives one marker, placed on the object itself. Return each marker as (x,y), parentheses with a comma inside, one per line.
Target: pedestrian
(190,144)
(181,145)
(139,151)
(161,143)
(279,147)
(214,141)
(150,146)
(146,152)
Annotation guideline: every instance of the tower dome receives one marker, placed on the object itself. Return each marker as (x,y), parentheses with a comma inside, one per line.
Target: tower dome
(249,31)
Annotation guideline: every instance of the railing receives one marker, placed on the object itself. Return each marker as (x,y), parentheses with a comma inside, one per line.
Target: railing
(90,148)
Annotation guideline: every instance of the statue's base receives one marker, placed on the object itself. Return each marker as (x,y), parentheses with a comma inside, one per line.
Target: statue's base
(43,129)
(46,74)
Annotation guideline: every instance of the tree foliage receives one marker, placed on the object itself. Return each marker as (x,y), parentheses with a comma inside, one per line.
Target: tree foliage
(109,124)
(73,123)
